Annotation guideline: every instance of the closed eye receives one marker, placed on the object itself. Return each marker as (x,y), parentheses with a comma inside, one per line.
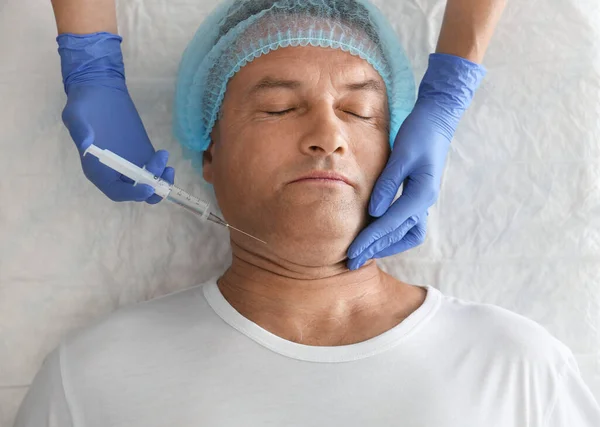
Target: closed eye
(356,115)
(279,113)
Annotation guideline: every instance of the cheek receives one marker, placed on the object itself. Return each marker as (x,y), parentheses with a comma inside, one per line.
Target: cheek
(246,167)
(372,159)
(256,148)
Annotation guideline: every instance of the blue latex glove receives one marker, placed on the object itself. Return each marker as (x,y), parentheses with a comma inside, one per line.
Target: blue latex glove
(417,160)
(99,110)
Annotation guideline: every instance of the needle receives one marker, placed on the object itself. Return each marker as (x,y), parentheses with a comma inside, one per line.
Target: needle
(214,218)
(256,238)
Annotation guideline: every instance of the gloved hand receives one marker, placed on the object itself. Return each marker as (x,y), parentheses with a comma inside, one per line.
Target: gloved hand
(99,110)
(417,160)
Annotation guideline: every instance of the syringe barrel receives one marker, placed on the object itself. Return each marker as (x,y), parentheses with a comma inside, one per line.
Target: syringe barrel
(194,204)
(131,171)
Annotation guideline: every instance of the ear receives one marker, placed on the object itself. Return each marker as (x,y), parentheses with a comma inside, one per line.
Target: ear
(207,162)
(208,154)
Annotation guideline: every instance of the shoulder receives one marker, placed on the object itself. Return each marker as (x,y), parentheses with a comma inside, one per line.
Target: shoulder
(512,334)
(133,329)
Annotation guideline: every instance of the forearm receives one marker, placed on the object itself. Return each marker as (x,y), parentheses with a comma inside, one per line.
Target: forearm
(468,26)
(85,16)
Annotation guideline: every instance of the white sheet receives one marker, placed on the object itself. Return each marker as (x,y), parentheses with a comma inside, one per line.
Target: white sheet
(517,223)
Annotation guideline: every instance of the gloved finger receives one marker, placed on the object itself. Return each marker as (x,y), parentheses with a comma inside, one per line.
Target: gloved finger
(119,191)
(156,166)
(395,172)
(382,243)
(407,205)
(157,163)
(414,199)
(169,176)
(414,237)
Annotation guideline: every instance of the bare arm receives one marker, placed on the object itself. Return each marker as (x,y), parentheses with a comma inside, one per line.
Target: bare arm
(468,27)
(85,16)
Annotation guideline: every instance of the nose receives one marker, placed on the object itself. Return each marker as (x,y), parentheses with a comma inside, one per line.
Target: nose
(326,135)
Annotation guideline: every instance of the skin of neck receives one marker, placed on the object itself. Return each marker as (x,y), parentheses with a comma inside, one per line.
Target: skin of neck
(322,305)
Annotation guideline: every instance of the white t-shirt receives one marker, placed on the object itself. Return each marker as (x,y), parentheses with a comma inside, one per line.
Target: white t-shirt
(189,359)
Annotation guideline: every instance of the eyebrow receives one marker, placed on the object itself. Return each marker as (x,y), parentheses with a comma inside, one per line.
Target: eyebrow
(273,83)
(369,85)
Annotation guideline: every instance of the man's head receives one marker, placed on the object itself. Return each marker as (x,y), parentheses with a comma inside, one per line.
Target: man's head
(290,113)
(271,90)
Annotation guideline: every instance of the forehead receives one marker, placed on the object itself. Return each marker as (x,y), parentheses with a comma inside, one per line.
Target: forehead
(306,65)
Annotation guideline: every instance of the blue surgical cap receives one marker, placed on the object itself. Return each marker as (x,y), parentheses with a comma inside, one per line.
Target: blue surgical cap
(238,31)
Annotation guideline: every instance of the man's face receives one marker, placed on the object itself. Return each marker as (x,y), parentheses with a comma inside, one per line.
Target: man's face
(289,113)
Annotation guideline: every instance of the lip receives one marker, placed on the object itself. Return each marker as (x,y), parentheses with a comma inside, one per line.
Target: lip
(329,175)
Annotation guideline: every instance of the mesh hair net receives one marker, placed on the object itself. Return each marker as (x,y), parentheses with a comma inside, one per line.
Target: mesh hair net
(238,31)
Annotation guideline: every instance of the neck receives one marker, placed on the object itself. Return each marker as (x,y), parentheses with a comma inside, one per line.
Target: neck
(292,300)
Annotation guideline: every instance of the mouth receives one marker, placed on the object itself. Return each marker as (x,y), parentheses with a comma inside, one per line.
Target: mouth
(323,177)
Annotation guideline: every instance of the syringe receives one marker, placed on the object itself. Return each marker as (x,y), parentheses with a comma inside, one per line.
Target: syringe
(161,187)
